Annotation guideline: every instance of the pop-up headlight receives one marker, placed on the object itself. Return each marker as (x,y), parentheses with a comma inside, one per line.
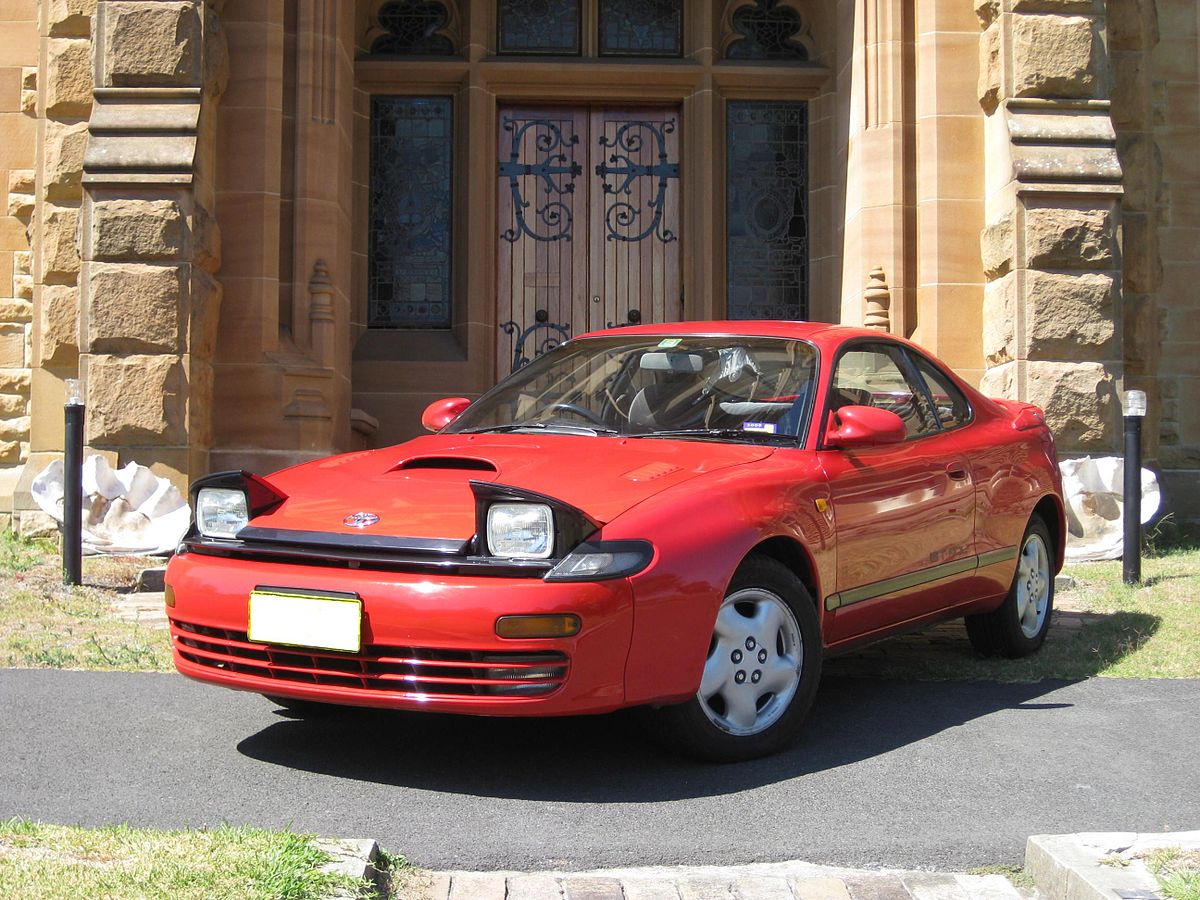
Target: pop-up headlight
(221,512)
(520,530)
(224,502)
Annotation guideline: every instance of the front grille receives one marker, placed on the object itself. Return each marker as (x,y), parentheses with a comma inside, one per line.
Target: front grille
(394,671)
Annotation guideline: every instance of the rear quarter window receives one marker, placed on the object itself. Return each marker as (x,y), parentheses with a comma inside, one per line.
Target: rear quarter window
(949,404)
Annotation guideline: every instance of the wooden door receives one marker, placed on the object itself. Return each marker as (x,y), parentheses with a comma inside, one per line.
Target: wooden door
(588,224)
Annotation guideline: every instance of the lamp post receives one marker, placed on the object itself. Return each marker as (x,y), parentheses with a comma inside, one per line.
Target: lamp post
(1131,556)
(72,553)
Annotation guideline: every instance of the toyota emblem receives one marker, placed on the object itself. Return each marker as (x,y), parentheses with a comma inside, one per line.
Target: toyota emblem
(360,519)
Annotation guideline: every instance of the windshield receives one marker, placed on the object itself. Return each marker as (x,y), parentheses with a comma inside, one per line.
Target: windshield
(722,388)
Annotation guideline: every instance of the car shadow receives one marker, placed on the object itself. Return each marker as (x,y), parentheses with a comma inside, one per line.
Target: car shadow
(609,759)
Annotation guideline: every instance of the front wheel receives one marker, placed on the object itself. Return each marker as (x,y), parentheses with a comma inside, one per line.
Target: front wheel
(761,672)
(1018,626)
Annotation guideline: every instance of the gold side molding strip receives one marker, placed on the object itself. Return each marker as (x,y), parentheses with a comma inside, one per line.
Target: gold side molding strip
(997,556)
(916,579)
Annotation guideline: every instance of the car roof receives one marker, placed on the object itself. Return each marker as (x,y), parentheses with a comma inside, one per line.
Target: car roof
(822,331)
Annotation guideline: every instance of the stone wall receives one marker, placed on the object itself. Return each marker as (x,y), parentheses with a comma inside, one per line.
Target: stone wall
(149,301)
(18,141)
(1155,48)
(1053,322)
(39,334)
(1133,35)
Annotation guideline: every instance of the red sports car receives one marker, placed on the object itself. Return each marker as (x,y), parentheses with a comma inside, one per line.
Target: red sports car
(686,518)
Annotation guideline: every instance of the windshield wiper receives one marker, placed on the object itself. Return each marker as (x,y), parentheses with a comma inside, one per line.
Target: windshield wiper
(540,426)
(726,433)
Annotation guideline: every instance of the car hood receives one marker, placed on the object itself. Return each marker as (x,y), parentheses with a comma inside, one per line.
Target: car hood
(421,489)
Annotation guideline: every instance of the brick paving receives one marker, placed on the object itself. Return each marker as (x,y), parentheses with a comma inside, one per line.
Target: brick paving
(771,882)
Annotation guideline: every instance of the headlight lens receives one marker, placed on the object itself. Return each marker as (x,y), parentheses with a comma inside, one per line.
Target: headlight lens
(520,530)
(221,512)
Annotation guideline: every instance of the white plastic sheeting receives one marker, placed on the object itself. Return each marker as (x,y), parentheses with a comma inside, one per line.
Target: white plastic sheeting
(1093,488)
(125,511)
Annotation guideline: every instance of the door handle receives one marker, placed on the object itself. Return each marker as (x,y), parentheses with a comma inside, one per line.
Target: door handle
(957,471)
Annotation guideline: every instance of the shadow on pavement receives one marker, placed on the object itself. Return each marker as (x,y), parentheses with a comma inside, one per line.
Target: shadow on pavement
(608,759)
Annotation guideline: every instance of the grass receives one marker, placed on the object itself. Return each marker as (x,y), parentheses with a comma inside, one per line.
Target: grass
(1102,627)
(47,625)
(53,862)
(1177,871)
(1016,874)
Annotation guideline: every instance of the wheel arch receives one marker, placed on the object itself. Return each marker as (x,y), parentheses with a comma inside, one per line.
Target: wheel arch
(1050,510)
(795,556)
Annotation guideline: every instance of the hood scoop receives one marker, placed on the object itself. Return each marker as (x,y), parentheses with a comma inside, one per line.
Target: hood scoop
(458,463)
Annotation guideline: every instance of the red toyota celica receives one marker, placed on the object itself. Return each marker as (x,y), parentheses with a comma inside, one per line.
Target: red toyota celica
(686,518)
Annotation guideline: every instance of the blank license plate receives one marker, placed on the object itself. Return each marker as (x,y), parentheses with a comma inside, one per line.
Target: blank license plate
(306,619)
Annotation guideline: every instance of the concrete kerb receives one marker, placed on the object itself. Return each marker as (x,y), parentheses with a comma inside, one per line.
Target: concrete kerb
(355,858)
(1098,865)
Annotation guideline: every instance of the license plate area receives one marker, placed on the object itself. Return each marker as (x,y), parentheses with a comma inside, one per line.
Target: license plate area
(297,617)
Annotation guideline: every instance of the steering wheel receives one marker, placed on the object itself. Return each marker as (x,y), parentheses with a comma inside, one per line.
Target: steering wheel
(582,412)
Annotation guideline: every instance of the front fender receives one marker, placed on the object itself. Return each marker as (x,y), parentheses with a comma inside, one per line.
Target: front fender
(701,532)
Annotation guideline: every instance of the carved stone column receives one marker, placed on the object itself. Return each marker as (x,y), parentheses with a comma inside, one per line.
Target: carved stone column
(880,210)
(149,302)
(1052,303)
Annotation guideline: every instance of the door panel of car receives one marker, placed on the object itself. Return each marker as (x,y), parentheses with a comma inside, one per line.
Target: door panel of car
(904,514)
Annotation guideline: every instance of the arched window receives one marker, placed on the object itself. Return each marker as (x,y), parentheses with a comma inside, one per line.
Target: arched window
(413,28)
(767,29)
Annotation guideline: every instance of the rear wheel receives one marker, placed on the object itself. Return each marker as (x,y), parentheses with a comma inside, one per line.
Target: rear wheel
(1018,626)
(761,673)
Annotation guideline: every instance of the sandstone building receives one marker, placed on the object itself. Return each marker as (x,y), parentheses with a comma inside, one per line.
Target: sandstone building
(263,230)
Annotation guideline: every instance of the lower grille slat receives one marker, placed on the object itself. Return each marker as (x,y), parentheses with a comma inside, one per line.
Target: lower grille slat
(418,671)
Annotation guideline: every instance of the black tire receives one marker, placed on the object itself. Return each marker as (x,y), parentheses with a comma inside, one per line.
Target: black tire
(302,708)
(694,728)
(1003,632)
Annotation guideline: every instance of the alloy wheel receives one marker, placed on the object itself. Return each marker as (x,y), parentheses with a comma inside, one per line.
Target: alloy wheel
(754,663)
(1033,586)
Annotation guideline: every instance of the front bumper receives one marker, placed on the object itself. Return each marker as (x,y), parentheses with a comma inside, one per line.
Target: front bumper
(428,641)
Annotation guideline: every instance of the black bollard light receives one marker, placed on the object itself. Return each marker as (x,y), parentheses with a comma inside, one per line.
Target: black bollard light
(1131,555)
(72,552)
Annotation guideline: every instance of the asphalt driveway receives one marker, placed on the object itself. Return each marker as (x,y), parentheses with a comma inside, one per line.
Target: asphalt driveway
(939,774)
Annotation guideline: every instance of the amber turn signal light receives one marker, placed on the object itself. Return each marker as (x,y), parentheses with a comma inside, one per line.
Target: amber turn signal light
(169,596)
(538,626)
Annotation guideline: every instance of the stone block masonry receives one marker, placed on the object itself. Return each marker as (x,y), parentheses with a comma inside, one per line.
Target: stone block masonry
(149,301)
(1053,326)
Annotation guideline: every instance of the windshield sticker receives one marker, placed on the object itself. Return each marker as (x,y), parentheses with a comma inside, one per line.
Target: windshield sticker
(670,342)
(765,427)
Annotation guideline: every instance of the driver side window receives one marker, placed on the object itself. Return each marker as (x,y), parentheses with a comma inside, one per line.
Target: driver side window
(871,375)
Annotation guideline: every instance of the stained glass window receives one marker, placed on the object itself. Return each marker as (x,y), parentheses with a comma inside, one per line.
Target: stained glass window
(539,26)
(412,27)
(640,27)
(767,210)
(409,241)
(768,31)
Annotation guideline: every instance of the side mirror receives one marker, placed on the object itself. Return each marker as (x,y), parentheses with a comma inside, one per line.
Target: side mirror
(441,413)
(863,426)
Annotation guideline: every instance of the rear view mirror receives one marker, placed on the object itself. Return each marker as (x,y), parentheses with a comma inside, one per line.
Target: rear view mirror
(863,426)
(441,413)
